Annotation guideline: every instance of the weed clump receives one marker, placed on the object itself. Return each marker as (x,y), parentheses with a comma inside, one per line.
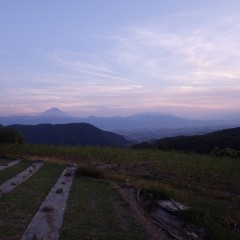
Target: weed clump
(89,171)
(159,193)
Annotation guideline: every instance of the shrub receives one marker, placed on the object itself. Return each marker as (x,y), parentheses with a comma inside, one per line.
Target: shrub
(226,152)
(89,171)
(159,193)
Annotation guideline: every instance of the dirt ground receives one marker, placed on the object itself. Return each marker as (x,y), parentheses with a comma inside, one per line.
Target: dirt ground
(154,232)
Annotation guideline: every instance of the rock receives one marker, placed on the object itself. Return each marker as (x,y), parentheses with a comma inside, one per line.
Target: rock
(59,190)
(48,209)
(74,165)
(37,237)
(125,185)
(68,175)
(39,161)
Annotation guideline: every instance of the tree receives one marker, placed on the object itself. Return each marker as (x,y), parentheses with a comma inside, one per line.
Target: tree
(9,136)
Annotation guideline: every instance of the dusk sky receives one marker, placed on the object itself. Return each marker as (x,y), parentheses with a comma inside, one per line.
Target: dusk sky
(120,57)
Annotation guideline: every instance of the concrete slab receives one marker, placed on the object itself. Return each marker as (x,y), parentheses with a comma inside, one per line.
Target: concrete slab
(8,165)
(47,222)
(12,183)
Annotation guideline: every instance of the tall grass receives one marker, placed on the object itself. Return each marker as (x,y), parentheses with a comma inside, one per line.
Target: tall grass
(191,167)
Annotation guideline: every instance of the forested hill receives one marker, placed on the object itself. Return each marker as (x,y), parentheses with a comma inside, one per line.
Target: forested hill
(207,143)
(68,134)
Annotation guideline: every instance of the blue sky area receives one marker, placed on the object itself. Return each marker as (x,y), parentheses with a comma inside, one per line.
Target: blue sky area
(120,57)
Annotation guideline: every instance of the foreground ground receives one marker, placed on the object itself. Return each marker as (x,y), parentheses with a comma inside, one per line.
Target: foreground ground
(95,209)
(209,185)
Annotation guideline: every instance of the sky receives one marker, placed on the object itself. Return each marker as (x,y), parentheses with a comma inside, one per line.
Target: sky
(120,57)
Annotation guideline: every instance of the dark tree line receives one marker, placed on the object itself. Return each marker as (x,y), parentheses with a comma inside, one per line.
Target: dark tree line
(220,143)
(9,136)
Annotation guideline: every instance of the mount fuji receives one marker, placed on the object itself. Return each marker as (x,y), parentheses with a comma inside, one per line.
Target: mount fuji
(54,112)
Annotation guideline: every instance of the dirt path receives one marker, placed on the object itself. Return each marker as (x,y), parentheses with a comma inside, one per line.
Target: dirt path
(12,183)
(152,230)
(47,222)
(10,164)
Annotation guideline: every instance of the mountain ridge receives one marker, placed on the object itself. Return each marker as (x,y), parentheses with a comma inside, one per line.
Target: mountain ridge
(204,144)
(83,134)
(136,121)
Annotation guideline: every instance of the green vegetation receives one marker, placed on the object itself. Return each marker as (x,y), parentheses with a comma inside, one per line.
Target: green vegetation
(13,171)
(89,171)
(9,136)
(99,213)
(209,184)
(152,164)
(226,152)
(220,143)
(19,206)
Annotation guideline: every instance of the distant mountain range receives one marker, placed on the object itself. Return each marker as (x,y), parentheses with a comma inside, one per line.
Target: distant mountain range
(137,121)
(68,134)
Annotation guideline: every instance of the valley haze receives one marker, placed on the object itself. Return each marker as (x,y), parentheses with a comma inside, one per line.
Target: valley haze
(137,128)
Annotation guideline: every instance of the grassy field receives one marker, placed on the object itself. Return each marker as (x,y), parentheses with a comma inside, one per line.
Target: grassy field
(95,209)
(208,184)
(99,213)
(19,206)
(13,171)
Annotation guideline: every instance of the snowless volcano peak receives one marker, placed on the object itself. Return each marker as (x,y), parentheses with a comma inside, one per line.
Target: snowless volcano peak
(54,112)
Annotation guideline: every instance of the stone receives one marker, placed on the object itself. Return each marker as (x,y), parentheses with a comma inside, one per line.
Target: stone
(48,209)
(59,190)
(68,175)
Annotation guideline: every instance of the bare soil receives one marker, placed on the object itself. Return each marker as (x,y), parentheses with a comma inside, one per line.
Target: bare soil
(129,195)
